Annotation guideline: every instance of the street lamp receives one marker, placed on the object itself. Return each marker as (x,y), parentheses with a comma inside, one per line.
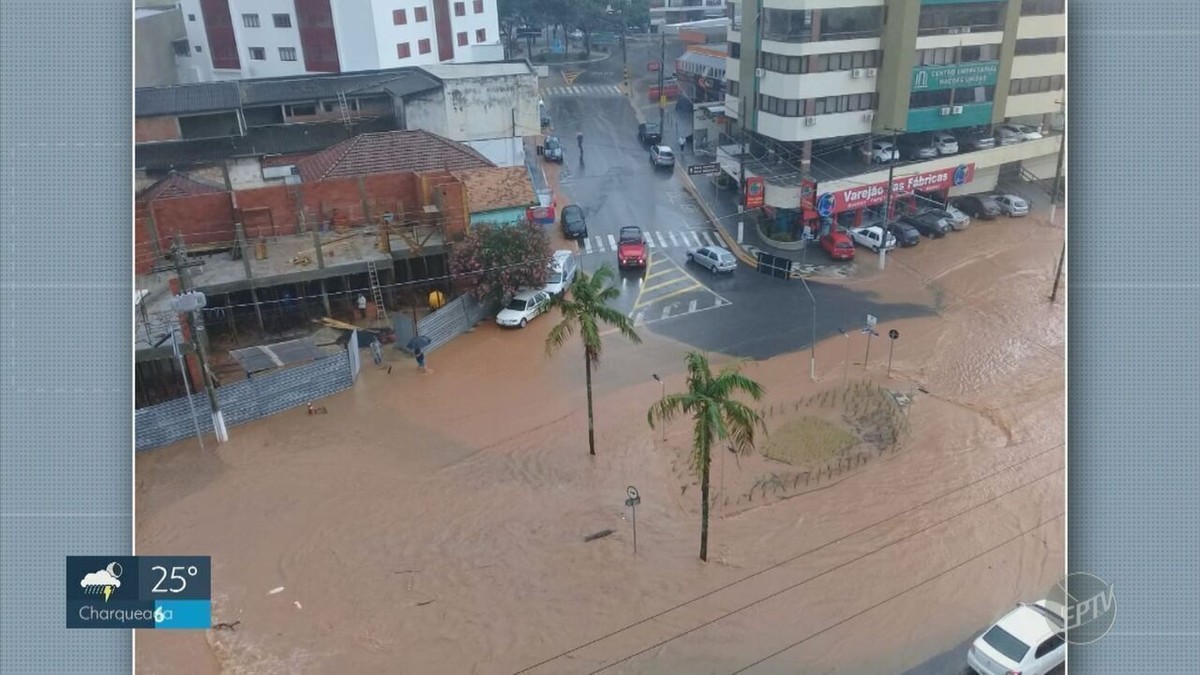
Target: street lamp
(812,354)
(664,395)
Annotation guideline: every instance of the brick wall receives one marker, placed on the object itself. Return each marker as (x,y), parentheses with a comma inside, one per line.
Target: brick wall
(244,401)
(147,129)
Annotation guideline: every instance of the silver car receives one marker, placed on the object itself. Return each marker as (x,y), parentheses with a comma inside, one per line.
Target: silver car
(955,218)
(661,155)
(1013,206)
(715,258)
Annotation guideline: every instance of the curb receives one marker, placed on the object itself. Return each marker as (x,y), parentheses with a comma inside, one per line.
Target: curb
(733,246)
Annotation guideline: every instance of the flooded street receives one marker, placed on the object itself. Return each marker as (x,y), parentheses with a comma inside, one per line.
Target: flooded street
(435,523)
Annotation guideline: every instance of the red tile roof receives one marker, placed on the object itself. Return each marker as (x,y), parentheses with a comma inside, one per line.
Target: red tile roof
(178,185)
(497,188)
(389,151)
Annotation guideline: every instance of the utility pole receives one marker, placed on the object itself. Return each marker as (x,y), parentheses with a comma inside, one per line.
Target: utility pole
(1062,147)
(812,351)
(662,98)
(887,209)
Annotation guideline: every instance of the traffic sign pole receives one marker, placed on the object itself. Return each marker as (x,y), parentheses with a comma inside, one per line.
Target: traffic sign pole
(894,335)
(632,501)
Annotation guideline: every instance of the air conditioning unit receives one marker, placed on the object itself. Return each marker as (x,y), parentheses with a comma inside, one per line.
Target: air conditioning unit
(759,72)
(868,116)
(809,121)
(957,110)
(945,111)
(964,29)
(871,72)
(856,73)
(953,31)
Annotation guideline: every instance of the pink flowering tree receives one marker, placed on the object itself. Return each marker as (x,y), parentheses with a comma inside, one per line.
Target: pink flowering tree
(497,260)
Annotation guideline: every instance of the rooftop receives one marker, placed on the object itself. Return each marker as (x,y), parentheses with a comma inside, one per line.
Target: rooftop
(493,189)
(179,185)
(414,150)
(457,71)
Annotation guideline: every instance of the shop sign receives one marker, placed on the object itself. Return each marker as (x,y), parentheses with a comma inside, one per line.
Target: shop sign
(755,192)
(859,197)
(974,74)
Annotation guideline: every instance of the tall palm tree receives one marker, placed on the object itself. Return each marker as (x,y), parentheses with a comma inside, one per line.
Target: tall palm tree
(584,312)
(717,417)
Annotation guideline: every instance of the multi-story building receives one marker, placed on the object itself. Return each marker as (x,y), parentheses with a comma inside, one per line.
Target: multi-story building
(682,11)
(237,39)
(812,82)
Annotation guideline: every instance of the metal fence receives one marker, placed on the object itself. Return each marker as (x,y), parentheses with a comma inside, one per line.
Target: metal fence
(443,325)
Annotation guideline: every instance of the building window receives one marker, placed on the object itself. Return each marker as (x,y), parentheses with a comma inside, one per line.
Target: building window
(282,20)
(423,46)
(258,54)
(952,19)
(848,23)
(198,49)
(779,63)
(1052,45)
(481,35)
(733,87)
(1042,7)
(301,110)
(420,14)
(399,17)
(182,48)
(735,50)
(191,17)
(479,6)
(1036,85)
(250,20)
(460,9)
(462,39)
(829,105)
(287,53)
(403,51)
(845,61)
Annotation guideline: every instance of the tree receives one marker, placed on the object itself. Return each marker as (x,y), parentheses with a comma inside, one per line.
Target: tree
(585,311)
(498,260)
(716,417)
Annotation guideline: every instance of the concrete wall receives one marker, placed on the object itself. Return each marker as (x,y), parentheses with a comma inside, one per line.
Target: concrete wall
(154,53)
(494,107)
(426,111)
(150,129)
(245,401)
(356,18)
(245,173)
(501,151)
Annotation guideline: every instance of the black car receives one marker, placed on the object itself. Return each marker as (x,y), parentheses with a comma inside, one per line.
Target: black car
(983,207)
(650,133)
(906,235)
(574,225)
(934,228)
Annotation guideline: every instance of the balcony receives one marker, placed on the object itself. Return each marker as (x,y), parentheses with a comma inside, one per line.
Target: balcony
(816,85)
(792,129)
(949,117)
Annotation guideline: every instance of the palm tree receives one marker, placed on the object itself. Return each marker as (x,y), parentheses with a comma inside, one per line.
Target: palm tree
(717,417)
(584,312)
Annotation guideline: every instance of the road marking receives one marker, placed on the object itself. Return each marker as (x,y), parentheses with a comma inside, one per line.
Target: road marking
(670,295)
(666,271)
(668,283)
(673,241)
(587,244)
(624,282)
(640,320)
(650,240)
(612,242)
(666,314)
(692,306)
(661,240)
(708,239)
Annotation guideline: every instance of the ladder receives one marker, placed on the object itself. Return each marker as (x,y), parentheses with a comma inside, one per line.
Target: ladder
(344,108)
(376,291)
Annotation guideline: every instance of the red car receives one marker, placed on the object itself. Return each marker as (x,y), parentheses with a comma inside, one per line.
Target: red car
(631,247)
(838,245)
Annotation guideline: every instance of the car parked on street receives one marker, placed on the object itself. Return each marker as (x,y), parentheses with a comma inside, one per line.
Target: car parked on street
(838,245)
(879,152)
(930,226)
(957,219)
(631,247)
(945,143)
(560,272)
(918,146)
(1023,132)
(574,224)
(906,235)
(552,149)
(873,237)
(1012,206)
(983,207)
(1006,135)
(1029,640)
(976,139)
(661,155)
(524,307)
(650,133)
(716,259)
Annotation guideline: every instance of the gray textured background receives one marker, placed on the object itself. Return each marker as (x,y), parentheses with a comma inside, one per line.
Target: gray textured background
(65,323)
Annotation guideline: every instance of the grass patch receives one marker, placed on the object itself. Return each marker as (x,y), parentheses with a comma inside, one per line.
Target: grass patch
(808,440)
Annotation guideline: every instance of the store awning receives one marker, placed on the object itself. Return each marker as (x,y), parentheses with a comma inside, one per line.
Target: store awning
(716,63)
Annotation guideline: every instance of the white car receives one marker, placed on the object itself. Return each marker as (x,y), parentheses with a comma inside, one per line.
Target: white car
(1030,640)
(1020,132)
(945,143)
(715,258)
(880,152)
(1012,205)
(873,237)
(524,307)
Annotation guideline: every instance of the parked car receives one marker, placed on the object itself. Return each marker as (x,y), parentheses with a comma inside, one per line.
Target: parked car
(1030,640)
(880,152)
(953,217)
(661,155)
(552,149)
(524,307)
(906,235)
(976,139)
(1006,135)
(1012,206)
(1023,132)
(918,147)
(560,272)
(715,258)
(574,224)
(945,143)
(983,207)
(873,237)
(631,247)
(650,133)
(838,245)
(932,227)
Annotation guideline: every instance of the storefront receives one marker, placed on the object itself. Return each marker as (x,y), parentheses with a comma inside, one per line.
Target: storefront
(853,206)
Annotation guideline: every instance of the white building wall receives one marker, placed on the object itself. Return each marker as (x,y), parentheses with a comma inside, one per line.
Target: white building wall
(267,37)
(1049,25)
(819,4)
(488,20)
(1040,65)
(826,126)
(200,65)
(354,26)
(492,107)
(1033,104)
(501,151)
(388,35)
(814,85)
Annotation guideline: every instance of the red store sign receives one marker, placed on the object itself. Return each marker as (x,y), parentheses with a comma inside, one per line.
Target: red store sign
(858,197)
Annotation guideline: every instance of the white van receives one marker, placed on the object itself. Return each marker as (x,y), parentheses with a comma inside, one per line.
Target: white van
(561,273)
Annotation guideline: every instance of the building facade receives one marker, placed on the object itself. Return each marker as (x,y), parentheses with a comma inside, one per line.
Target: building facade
(158,36)
(238,39)
(682,11)
(811,82)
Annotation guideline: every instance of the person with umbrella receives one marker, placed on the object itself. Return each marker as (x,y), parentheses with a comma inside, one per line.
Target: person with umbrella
(417,346)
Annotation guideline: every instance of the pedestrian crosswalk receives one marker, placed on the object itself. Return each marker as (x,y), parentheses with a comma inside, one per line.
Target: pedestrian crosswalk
(584,90)
(655,239)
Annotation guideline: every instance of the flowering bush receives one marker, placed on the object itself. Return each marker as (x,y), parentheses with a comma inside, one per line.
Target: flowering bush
(498,260)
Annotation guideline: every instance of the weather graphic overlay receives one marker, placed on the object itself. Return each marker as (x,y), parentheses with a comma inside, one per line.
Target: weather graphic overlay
(158,592)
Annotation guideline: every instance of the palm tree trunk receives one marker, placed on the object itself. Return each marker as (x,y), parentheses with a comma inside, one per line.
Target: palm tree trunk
(704,464)
(587,364)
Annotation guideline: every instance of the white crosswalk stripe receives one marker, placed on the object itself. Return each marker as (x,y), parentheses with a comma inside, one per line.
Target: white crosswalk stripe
(707,240)
(661,240)
(656,239)
(612,242)
(594,90)
(587,245)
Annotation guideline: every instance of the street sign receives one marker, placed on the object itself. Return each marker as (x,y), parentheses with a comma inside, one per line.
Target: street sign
(894,334)
(633,493)
(632,503)
(604,38)
(570,76)
(711,169)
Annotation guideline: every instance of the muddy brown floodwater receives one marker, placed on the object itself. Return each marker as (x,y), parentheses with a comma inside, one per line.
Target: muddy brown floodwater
(435,523)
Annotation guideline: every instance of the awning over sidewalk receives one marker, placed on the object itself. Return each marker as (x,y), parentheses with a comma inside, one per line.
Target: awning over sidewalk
(702,62)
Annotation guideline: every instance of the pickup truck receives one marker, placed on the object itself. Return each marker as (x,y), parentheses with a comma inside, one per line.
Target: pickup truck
(873,237)
(631,247)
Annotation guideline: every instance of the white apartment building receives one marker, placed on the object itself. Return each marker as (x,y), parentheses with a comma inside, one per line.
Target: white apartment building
(811,81)
(236,39)
(682,11)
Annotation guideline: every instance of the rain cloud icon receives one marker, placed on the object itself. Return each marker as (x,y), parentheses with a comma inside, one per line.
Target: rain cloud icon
(103,581)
